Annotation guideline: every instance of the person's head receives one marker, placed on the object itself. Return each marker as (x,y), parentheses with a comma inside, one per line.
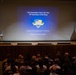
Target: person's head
(67,60)
(56,61)
(10,61)
(38,55)
(26,63)
(41,63)
(66,54)
(8,56)
(21,56)
(33,57)
(22,71)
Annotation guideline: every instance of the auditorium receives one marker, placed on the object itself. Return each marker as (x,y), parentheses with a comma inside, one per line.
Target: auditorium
(37,37)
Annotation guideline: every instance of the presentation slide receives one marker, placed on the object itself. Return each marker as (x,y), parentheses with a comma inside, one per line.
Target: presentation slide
(39,23)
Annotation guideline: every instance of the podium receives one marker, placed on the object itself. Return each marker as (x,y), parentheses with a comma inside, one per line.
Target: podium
(1,36)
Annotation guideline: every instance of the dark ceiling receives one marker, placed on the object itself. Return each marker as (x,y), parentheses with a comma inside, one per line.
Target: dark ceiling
(39,2)
(34,1)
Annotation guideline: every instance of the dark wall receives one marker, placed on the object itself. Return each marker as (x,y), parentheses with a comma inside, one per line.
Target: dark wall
(33,50)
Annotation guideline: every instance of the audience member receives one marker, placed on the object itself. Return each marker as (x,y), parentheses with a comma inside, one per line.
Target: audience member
(38,65)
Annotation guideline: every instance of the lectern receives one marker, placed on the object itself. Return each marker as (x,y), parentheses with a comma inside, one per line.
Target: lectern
(1,35)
